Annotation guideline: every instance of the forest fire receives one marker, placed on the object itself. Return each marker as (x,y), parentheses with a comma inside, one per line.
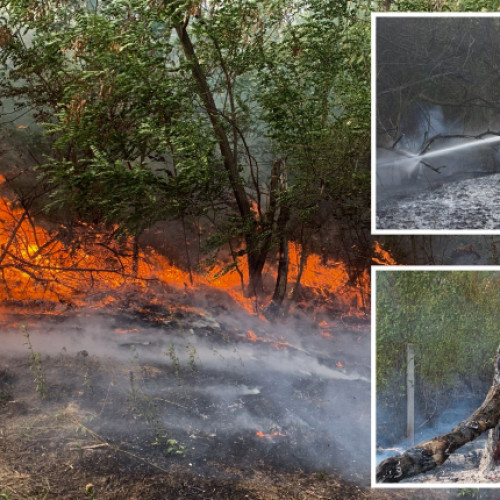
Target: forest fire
(83,294)
(96,270)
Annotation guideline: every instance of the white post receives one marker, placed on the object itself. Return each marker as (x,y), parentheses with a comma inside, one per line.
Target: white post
(410,395)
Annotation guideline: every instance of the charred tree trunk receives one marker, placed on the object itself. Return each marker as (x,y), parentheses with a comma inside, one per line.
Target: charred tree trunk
(433,453)
(276,307)
(282,278)
(255,268)
(135,257)
(302,265)
(491,456)
(280,185)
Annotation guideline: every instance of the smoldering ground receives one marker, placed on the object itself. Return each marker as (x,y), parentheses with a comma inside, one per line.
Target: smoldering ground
(440,176)
(290,400)
(463,204)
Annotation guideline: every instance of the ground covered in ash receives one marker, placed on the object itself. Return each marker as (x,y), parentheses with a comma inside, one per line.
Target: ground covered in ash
(466,204)
(179,404)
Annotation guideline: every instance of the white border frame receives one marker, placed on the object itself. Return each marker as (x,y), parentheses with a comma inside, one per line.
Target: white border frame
(374,17)
(374,271)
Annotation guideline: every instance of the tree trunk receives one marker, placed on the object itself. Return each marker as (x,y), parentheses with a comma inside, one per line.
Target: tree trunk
(279,184)
(135,257)
(302,265)
(275,308)
(256,252)
(255,268)
(282,278)
(433,453)
(491,455)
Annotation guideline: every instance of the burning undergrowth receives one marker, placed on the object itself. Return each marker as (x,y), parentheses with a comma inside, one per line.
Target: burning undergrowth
(83,265)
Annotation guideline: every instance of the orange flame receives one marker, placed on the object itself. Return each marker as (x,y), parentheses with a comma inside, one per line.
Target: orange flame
(253,337)
(382,257)
(36,265)
(273,434)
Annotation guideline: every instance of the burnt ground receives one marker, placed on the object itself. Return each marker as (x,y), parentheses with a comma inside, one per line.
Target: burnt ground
(53,448)
(164,405)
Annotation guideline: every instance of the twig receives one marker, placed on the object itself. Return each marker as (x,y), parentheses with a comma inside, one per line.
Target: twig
(103,442)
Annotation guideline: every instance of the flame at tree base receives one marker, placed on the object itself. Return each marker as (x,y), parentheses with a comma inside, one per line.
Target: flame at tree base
(84,266)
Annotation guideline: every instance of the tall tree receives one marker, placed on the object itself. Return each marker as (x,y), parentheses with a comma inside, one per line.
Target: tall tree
(180,108)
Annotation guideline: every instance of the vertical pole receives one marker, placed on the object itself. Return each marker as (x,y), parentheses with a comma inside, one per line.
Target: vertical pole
(410,395)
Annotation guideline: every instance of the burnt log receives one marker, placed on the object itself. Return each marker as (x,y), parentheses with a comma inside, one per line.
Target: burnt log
(433,453)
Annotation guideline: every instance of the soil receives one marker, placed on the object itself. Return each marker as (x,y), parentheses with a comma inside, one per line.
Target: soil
(78,423)
(82,423)
(63,447)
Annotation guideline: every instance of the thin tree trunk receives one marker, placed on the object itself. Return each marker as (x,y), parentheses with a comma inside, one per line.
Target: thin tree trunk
(256,252)
(275,308)
(186,249)
(302,264)
(433,453)
(135,256)
(206,96)
(282,278)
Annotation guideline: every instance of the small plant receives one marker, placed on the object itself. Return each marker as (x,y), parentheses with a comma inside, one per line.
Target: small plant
(171,446)
(143,406)
(322,476)
(89,491)
(191,350)
(133,393)
(87,367)
(87,380)
(36,367)
(5,396)
(175,360)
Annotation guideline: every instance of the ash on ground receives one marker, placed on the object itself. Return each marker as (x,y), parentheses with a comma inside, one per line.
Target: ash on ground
(466,204)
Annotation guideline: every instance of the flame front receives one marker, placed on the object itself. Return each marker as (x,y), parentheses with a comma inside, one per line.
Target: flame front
(36,265)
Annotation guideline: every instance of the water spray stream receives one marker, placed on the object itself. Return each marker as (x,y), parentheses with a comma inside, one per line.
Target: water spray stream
(459,147)
(408,158)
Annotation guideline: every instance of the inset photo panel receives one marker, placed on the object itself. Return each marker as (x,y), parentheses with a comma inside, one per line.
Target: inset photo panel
(436,123)
(436,377)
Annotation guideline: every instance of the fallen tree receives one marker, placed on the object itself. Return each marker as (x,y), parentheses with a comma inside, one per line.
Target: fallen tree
(433,453)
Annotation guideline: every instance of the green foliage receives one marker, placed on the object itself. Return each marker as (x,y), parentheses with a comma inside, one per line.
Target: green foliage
(174,359)
(450,317)
(134,140)
(169,445)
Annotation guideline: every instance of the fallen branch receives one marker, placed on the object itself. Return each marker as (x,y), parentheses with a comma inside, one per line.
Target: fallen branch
(435,169)
(104,443)
(433,453)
